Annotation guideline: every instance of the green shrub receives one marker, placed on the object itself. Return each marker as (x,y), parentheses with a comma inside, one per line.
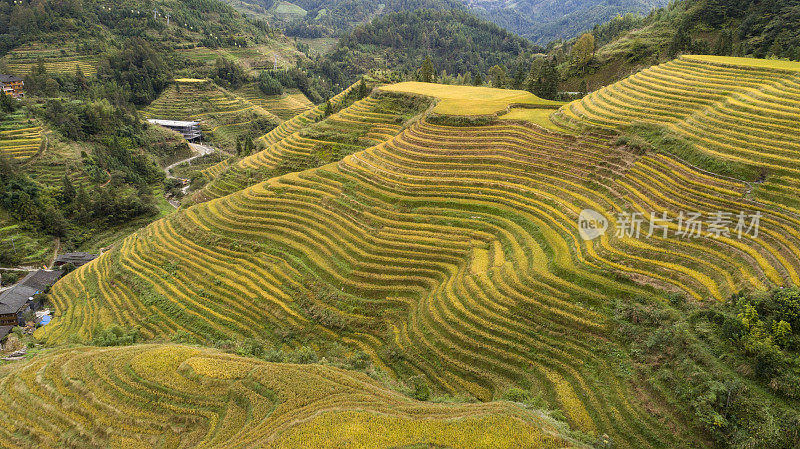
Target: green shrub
(115,336)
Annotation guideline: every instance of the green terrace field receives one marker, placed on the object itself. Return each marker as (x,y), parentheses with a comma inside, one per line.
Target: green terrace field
(739,116)
(20,136)
(252,58)
(312,139)
(21,60)
(179,396)
(187,99)
(284,8)
(223,116)
(285,106)
(213,171)
(23,246)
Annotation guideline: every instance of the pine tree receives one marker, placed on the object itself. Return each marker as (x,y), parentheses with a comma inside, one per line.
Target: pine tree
(544,83)
(68,191)
(681,41)
(362,88)
(80,78)
(519,77)
(724,46)
(7,103)
(427,73)
(497,76)
(582,51)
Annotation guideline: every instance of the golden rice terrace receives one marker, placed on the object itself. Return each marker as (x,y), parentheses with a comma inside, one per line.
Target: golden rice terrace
(437,229)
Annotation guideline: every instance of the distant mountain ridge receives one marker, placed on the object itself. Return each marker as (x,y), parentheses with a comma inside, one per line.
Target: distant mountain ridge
(543,21)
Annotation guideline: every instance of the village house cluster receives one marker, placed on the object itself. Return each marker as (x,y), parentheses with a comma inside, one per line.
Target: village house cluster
(12,85)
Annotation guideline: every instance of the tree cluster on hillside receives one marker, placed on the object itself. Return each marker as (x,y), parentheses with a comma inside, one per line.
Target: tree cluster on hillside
(761,29)
(456,41)
(732,368)
(228,73)
(64,210)
(273,82)
(539,77)
(324,18)
(269,84)
(193,20)
(119,158)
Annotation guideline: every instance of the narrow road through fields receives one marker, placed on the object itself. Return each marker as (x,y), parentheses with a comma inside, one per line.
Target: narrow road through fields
(200,151)
(55,253)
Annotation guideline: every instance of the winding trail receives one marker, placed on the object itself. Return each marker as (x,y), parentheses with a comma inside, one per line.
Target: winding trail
(55,253)
(200,151)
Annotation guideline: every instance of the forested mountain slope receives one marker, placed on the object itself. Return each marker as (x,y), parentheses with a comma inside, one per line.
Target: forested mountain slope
(79,163)
(543,21)
(331,18)
(456,40)
(761,29)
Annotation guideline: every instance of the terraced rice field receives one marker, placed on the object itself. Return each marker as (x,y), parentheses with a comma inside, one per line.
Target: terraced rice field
(60,158)
(191,99)
(469,100)
(311,139)
(463,255)
(449,252)
(285,106)
(179,396)
(20,137)
(251,58)
(738,110)
(213,171)
(22,60)
(223,116)
(27,246)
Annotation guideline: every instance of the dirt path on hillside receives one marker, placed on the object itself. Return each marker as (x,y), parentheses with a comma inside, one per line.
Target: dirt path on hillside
(55,253)
(200,151)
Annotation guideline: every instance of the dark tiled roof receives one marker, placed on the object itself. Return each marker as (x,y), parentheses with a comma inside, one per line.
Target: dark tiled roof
(41,279)
(76,259)
(15,298)
(5,330)
(9,79)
